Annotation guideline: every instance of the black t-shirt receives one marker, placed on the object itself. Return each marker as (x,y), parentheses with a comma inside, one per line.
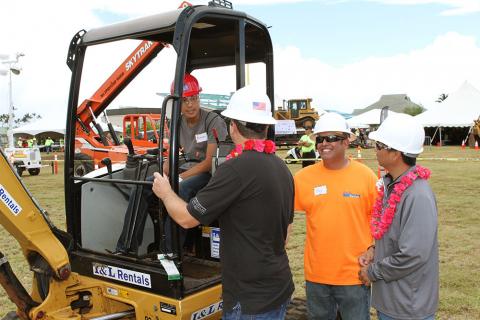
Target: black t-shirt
(252,196)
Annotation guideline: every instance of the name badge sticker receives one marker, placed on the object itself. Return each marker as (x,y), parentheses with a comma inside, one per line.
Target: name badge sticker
(201,137)
(317,191)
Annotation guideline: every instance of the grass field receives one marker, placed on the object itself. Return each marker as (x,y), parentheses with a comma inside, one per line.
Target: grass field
(455,181)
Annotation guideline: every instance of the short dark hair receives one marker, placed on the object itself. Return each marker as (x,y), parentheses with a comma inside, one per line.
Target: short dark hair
(251,130)
(410,161)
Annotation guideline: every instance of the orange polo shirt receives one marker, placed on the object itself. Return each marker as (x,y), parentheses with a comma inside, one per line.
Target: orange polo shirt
(338,206)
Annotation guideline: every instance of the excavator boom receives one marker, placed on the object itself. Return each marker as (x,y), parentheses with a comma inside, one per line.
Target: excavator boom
(119,79)
(22,217)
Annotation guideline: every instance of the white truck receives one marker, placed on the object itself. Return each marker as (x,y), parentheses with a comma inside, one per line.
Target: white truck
(25,159)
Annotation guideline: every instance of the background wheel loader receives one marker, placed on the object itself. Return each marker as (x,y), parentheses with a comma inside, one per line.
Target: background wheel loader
(80,273)
(300,110)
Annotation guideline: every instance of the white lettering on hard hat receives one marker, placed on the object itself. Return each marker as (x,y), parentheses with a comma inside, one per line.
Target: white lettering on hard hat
(262,106)
(320,190)
(9,201)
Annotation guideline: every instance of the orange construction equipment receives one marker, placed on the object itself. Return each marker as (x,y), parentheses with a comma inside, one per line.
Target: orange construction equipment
(476,145)
(463,144)
(92,145)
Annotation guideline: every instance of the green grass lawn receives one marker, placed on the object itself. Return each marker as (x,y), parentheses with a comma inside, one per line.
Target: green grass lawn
(455,181)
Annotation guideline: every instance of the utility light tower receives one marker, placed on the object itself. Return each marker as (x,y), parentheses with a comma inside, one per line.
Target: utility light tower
(15,69)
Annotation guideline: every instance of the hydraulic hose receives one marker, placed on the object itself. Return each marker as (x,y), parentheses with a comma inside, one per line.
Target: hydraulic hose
(14,288)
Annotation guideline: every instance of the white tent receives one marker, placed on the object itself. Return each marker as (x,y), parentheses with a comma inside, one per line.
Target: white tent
(41,126)
(364,120)
(458,110)
(47,125)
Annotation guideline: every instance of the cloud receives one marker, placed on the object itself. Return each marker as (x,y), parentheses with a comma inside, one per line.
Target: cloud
(423,74)
(458,7)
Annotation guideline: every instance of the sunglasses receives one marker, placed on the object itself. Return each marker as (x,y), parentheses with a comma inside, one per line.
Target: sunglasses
(330,139)
(190,100)
(381,146)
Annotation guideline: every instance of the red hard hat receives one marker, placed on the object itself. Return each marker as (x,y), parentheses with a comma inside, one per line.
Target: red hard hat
(190,86)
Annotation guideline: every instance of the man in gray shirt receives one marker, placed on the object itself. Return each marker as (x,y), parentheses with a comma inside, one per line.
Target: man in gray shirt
(196,139)
(198,143)
(403,264)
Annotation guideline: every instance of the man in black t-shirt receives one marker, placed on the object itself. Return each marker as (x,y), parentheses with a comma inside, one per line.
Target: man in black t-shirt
(251,195)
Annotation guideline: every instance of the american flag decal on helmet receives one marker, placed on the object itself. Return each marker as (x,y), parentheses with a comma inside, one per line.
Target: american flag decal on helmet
(262,106)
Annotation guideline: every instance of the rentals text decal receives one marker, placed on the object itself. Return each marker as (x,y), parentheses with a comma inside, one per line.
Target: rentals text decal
(8,200)
(124,275)
(208,311)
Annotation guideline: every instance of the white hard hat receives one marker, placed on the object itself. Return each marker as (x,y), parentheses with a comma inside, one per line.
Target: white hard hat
(401,132)
(250,104)
(333,122)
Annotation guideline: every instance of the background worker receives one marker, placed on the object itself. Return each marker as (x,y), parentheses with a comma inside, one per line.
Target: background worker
(337,195)
(404,272)
(307,145)
(48,145)
(476,131)
(251,195)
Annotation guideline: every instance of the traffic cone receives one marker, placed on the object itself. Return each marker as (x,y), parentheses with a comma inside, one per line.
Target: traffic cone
(359,152)
(55,165)
(463,144)
(476,145)
(380,172)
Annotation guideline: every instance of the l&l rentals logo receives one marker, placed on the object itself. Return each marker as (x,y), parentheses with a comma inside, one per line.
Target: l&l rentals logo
(9,201)
(120,274)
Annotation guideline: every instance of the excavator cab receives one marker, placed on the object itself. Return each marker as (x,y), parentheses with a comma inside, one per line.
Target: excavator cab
(118,227)
(113,261)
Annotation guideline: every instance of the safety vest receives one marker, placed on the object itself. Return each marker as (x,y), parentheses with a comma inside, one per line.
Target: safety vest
(48,142)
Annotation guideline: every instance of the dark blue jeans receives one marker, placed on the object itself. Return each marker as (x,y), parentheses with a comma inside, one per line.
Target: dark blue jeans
(324,300)
(383,316)
(276,314)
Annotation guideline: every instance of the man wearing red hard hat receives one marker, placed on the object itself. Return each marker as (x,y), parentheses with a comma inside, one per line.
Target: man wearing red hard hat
(196,139)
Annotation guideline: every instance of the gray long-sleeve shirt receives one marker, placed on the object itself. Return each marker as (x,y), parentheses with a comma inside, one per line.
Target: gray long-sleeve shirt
(405,269)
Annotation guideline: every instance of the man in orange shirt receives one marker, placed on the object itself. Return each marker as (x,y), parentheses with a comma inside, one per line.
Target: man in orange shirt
(337,195)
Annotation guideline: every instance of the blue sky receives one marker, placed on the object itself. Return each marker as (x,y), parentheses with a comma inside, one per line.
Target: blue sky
(343,53)
(343,32)
(346,32)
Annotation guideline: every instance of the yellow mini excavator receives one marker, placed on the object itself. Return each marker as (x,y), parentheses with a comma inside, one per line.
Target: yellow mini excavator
(114,260)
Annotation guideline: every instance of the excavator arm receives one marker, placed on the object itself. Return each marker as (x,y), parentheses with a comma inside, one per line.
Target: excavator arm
(21,216)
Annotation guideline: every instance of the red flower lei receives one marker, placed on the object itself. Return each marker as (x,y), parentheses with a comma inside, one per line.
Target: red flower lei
(380,223)
(267,146)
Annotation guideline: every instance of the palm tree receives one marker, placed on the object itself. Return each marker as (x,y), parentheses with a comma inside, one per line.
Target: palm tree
(442,97)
